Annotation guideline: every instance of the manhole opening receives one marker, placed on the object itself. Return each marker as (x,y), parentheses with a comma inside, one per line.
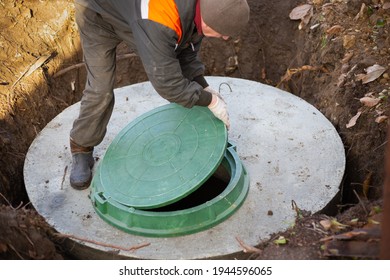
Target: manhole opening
(213,187)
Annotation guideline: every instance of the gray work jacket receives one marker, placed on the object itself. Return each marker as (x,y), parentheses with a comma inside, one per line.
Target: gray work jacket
(168,48)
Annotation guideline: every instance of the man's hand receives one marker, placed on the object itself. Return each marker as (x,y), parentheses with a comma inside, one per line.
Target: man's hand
(219,109)
(214,92)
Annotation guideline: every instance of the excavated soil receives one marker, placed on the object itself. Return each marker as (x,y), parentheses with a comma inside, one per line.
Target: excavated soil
(325,61)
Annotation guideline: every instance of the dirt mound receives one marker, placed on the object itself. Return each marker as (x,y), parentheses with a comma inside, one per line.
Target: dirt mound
(25,235)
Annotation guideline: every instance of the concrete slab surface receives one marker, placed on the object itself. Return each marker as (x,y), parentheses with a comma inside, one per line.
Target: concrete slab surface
(291,152)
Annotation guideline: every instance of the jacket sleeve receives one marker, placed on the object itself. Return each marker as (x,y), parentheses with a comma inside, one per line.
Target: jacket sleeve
(156,48)
(192,67)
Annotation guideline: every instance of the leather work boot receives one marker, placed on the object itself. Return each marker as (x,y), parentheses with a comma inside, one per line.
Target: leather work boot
(82,163)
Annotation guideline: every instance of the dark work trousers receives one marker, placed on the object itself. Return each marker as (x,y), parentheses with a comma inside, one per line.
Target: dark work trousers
(99,39)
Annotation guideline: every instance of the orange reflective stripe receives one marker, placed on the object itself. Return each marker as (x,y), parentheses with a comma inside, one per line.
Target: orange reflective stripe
(165,12)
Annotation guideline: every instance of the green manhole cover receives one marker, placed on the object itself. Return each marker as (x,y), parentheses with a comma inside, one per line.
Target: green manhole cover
(158,159)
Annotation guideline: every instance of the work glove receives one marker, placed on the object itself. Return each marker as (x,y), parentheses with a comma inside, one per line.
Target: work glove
(219,109)
(212,91)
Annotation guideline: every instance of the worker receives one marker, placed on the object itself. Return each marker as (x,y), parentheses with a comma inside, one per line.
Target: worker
(166,34)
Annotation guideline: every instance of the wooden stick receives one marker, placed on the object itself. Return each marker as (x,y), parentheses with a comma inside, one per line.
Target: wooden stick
(361,202)
(63,177)
(247,248)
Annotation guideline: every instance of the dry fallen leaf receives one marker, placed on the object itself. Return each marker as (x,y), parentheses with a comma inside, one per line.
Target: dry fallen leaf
(373,73)
(281,241)
(335,29)
(326,224)
(305,21)
(345,236)
(362,12)
(347,57)
(367,184)
(349,41)
(386,6)
(353,222)
(370,94)
(303,13)
(341,80)
(381,119)
(326,9)
(370,101)
(353,121)
(332,224)
(372,221)
(337,226)
(300,12)
(379,112)
(318,2)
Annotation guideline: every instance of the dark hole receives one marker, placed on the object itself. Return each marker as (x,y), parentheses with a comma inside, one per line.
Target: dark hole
(214,186)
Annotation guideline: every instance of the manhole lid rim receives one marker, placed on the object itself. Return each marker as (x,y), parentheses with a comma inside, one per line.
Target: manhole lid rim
(145,187)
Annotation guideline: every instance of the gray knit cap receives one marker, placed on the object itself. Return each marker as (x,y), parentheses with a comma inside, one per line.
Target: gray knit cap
(227,17)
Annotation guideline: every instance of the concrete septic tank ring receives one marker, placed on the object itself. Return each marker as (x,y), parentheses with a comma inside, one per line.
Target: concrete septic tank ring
(289,149)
